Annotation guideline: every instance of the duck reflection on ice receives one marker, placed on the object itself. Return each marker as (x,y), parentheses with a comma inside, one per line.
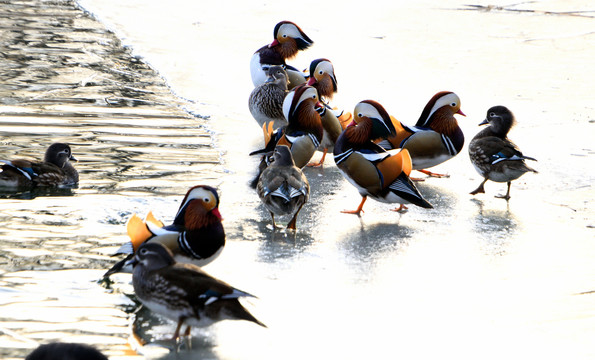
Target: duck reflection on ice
(495,227)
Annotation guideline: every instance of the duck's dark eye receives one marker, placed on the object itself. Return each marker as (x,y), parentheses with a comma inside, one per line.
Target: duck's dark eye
(360,115)
(143,251)
(492,114)
(206,200)
(453,104)
(321,72)
(284,35)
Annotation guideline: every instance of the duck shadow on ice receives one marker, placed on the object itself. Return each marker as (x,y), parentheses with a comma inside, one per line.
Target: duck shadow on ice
(151,337)
(443,200)
(374,241)
(495,228)
(282,244)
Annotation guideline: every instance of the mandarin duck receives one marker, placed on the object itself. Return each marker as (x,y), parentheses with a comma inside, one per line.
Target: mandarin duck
(304,130)
(323,79)
(282,187)
(266,100)
(435,138)
(196,235)
(184,292)
(288,39)
(375,172)
(54,170)
(493,155)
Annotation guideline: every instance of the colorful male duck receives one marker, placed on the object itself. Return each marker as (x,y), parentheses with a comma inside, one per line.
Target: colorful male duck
(55,170)
(435,138)
(288,40)
(184,292)
(377,173)
(304,130)
(494,156)
(323,79)
(196,235)
(282,187)
(266,100)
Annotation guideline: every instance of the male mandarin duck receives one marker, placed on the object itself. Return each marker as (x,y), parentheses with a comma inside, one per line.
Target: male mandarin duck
(380,174)
(282,187)
(304,130)
(323,79)
(266,100)
(54,170)
(288,40)
(493,155)
(184,292)
(435,138)
(196,235)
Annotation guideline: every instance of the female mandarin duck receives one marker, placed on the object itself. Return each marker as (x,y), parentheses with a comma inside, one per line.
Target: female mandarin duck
(282,187)
(196,236)
(266,100)
(304,130)
(435,138)
(184,292)
(55,170)
(494,156)
(323,79)
(377,173)
(288,40)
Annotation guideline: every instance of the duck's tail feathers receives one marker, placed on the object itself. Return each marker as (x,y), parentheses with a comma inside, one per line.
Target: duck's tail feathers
(241,313)
(118,267)
(406,189)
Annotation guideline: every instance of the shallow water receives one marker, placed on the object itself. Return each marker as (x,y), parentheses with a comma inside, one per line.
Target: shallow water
(473,277)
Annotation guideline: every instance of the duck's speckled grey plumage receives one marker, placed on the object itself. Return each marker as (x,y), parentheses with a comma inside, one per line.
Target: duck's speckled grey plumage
(282,187)
(266,100)
(493,155)
(184,292)
(54,170)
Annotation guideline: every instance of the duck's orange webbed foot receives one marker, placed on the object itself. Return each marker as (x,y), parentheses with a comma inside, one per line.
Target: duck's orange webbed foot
(401,209)
(359,209)
(431,174)
(319,163)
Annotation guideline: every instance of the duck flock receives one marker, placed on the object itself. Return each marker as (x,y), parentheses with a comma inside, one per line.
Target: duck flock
(373,150)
